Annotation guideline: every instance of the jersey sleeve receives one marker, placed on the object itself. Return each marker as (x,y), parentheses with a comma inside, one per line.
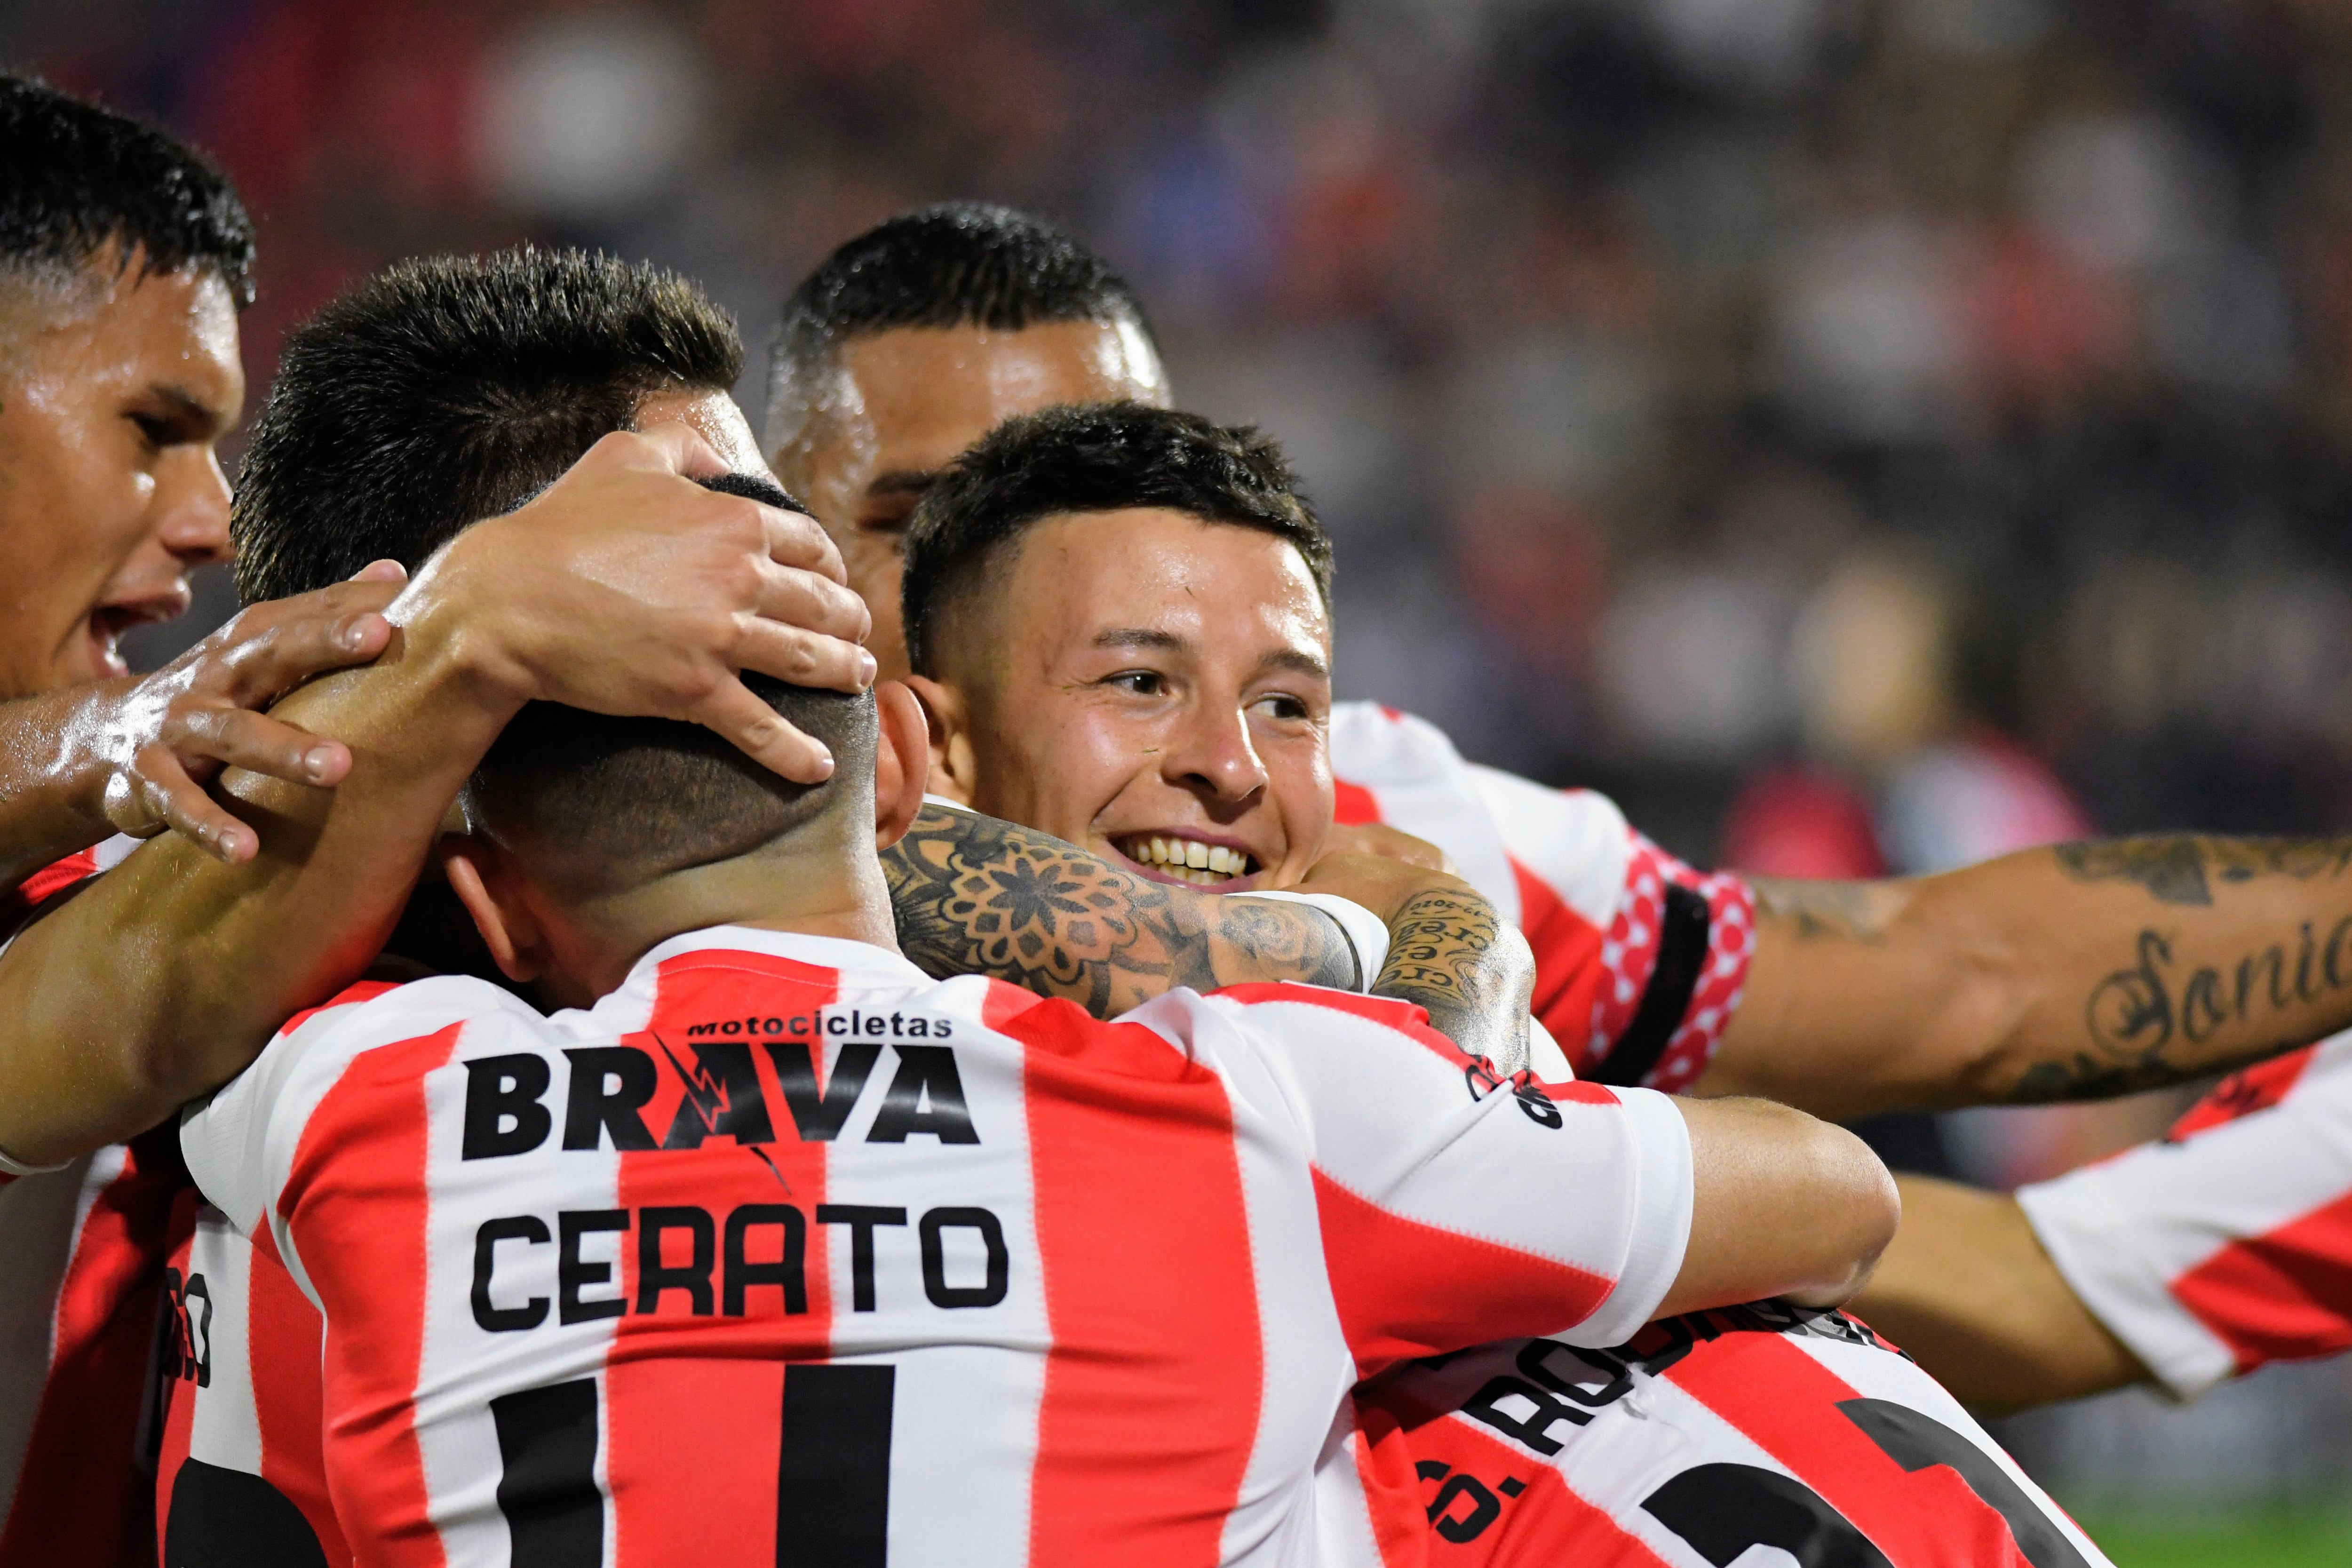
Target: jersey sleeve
(2228,1244)
(239,1142)
(1640,958)
(1456,1207)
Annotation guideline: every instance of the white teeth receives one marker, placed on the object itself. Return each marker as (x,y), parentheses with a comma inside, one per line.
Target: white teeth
(1188,860)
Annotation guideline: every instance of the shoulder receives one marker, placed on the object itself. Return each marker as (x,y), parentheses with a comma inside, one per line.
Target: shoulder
(1380,747)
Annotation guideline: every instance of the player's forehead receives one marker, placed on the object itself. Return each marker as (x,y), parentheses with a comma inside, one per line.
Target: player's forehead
(123,328)
(1149,579)
(910,399)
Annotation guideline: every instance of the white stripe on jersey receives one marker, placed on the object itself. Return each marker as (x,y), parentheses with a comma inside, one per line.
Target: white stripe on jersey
(226,1428)
(1426,788)
(2132,1233)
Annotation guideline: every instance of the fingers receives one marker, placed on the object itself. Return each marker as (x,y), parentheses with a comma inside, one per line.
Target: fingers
(239,738)
(803,658)
(163,795)
(678,447)
(792,597)
(796,539)
(755,729)
(271,648)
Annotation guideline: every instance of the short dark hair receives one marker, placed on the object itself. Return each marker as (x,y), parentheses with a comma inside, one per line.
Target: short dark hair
(445,391)
(954,264)
(450,389)
(1092,458)
(75,178)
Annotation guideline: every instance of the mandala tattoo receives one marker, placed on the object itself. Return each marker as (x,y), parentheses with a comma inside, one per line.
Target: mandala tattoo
(976,896)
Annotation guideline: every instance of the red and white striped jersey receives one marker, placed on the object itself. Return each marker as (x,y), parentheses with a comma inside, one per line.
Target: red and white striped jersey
(1703,1437)
(2227,1244)
(241,1476)
(1640,959)
(78,1300)
(785,1253)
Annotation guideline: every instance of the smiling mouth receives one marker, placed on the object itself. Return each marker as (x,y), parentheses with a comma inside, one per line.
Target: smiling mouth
(1186,859)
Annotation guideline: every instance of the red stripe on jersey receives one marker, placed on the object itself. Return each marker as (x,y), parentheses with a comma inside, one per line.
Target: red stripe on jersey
(1785,1402)
(358,1192)
(79,1497)
(1407,1019)
(2285,1295)
(688,1354)
(1568,972)
(1142,1444)
(1384,1470)
(1405,1289)
(283,1332)
(1353,805)
(2257,1088)
(1005,1003)
(1541,1521)
(180,1407)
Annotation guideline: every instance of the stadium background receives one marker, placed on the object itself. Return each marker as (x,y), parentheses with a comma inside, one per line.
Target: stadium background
(1859,435)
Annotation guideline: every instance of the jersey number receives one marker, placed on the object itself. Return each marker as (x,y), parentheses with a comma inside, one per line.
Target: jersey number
(1721,1511)
(832,1470)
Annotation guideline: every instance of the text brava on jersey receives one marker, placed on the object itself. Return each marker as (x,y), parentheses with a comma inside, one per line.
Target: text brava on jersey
(508,1110)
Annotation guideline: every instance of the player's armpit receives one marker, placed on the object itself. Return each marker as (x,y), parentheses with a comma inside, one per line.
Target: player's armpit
(977,895)
(1782,1204)
(1969,1291)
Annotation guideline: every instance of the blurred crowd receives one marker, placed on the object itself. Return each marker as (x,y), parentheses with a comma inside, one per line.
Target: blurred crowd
(1862,435)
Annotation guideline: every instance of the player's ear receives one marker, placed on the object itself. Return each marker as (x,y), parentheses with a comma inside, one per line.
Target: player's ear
(901,762)
(949,737)
(480,877)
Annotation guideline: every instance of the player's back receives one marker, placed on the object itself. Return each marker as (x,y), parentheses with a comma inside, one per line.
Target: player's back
(783,1252)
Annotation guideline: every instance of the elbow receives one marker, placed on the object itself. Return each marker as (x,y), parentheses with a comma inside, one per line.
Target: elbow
(1859,1209)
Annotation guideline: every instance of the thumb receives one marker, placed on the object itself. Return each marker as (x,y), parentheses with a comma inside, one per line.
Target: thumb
(677,446)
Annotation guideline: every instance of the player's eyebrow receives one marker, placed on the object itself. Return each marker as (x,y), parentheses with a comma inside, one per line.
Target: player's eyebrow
(1298,661)
(903,482)
(1141,638)
(205,419)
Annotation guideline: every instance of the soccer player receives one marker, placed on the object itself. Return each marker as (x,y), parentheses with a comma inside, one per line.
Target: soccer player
(530,356)
(1060,1177)
(1987,985)
(1117,622)
(2222,1246)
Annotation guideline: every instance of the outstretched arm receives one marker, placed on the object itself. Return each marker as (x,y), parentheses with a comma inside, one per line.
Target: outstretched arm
(1967,1290)
(2073,973)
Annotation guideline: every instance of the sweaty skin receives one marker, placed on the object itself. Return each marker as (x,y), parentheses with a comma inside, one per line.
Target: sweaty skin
(899,406)
(114,387)
(1152,685)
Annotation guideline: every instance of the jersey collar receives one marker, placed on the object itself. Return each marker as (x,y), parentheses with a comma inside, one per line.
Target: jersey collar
(858,958)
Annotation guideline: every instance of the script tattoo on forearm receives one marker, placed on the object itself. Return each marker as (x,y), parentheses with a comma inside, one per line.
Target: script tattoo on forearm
(976,896)
(2182,869)
(1453,956)
(2161,1020)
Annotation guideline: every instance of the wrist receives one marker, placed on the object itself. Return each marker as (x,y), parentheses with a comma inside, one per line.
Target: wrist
(456,629)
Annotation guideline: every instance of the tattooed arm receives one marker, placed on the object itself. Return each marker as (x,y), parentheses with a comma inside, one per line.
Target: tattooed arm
(2073,973)
(976,896)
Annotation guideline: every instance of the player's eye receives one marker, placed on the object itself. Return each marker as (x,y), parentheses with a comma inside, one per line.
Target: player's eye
(157,433)
(1282,705)
(1140,682)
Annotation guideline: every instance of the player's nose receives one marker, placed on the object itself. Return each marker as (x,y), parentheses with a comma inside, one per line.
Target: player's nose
(1215,755)
(191,503)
